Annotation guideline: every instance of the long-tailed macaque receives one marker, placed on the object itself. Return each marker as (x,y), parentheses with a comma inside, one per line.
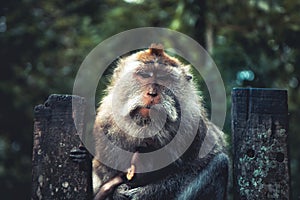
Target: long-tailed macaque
(150,101)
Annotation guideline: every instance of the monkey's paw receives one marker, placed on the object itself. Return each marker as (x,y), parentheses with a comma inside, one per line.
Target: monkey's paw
(125,192)
(79,154)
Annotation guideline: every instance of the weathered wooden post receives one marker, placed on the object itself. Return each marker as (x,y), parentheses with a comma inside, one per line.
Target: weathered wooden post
(260,150)
(54,174)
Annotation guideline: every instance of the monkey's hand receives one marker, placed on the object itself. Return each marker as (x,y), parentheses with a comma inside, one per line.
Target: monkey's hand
(124,192)
(79,154)
(109,187)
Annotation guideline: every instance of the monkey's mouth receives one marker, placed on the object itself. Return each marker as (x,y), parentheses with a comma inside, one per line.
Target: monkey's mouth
(141,115)
(158,113)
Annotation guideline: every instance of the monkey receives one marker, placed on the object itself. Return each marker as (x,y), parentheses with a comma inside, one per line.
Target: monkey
(152,103)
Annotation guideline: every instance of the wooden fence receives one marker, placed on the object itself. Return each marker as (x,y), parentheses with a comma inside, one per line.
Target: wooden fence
(260,150)
(54,174)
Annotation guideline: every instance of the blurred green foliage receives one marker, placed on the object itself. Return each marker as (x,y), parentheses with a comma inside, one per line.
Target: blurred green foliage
(255,43)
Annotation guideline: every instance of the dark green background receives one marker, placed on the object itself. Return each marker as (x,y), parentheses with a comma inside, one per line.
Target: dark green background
(42,44)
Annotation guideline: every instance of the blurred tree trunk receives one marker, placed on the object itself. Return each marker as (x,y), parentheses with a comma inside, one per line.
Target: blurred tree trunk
(200,26)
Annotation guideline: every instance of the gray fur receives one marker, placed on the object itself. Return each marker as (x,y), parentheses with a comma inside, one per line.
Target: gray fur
(200,173)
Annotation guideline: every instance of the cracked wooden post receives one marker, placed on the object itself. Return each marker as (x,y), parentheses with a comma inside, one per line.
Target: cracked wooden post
(260,150)
(54,174)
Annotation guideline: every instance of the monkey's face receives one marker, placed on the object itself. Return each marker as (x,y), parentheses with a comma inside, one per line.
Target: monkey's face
(148,100)
(155,82)
(146,95)
(147,92)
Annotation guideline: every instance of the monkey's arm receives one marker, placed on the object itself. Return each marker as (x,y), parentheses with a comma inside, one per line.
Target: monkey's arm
(108,187)
(209,183)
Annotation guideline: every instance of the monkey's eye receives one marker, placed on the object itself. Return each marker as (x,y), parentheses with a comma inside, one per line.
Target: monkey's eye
(144,74)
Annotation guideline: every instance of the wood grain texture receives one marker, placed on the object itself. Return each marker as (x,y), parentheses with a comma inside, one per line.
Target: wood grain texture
(54,174)
(260,149)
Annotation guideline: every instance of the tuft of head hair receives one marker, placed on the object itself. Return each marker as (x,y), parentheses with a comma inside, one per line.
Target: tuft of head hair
(156,49)
(156,53)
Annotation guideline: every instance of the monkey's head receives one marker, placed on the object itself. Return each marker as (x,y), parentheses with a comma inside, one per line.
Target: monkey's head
(149,92)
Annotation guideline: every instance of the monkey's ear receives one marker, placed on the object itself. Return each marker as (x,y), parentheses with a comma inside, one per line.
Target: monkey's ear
(187,72)
(188,77)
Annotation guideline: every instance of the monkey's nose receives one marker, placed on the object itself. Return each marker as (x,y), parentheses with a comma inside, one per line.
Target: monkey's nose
(152,92)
